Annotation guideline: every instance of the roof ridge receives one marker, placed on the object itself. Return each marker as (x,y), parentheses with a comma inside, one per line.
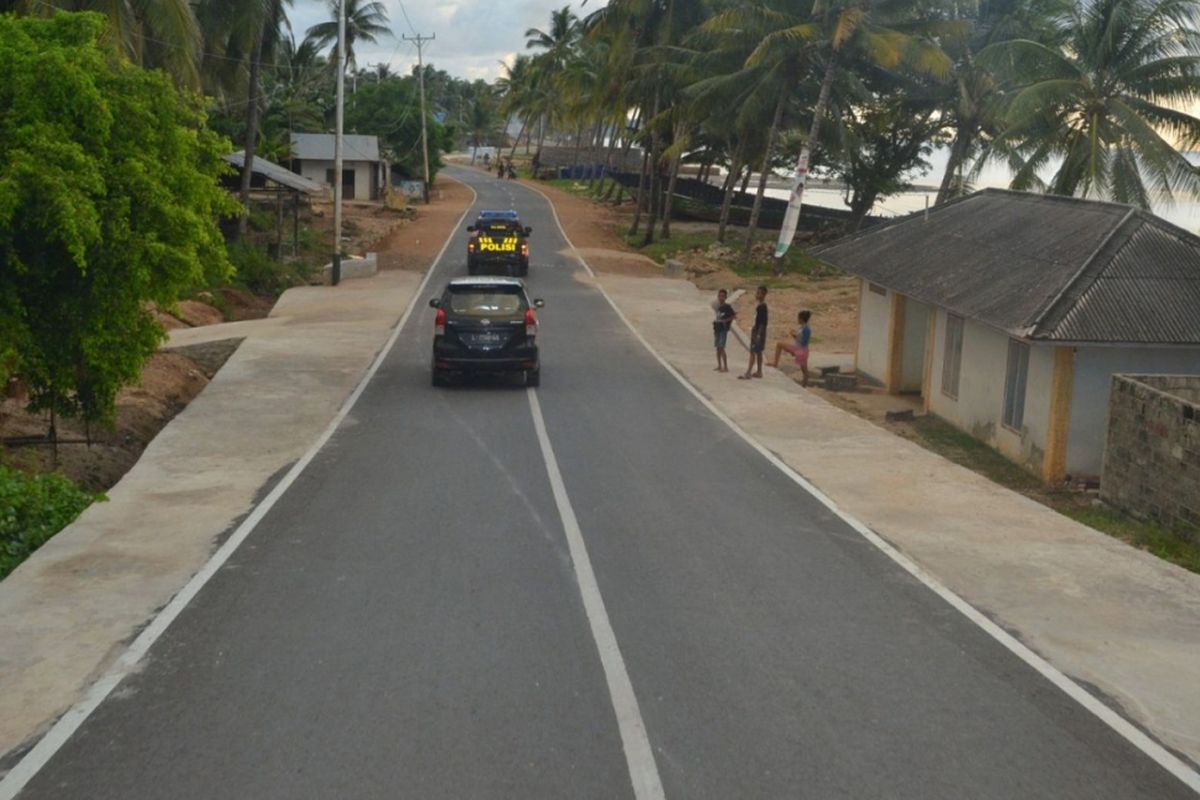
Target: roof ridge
(894,222)
(1067,293)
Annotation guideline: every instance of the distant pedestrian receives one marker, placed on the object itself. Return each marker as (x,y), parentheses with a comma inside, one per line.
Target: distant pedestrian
(758,336)
(798,347)
(722,321)
(512,170)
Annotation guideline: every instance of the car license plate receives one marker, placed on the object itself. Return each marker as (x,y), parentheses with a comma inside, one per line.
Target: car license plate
(486,340)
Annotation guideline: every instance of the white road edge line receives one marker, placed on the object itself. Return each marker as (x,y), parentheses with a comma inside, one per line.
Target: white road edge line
(643,771)
(62,730)
(1123,727)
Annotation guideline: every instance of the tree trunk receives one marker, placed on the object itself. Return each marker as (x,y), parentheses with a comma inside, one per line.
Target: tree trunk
(735,172)
(958,154)
(520,133)
(655,181)
(251,126)
(625,148)
(766,169)
(597,149)
(667,201)
(791,218)
(746,179)
(578,145)
(641,196)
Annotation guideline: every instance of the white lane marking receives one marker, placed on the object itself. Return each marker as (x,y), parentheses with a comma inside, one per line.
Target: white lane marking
(62,730)
(1123,727)
(639,756)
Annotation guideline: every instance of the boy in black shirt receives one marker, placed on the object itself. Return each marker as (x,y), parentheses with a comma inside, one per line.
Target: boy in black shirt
(721,324)
(758,336)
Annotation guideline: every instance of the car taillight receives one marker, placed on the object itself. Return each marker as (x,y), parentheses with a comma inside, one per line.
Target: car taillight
(525,249)
(470,247)
(439,323)
(530,323)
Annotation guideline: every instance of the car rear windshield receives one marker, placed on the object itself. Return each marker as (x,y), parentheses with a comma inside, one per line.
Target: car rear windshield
(486,301)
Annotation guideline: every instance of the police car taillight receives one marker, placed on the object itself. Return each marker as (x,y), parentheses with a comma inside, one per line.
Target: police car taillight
(530,323)
(525,248)
(439,323)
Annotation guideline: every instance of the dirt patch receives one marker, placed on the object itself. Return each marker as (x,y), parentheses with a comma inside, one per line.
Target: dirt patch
(194,314)
(242,305)
(170,380)
(412,244)
(834,306)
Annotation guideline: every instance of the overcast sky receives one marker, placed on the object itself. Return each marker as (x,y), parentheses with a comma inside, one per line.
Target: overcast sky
(473,36)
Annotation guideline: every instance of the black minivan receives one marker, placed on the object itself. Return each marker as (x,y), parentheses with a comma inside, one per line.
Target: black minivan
(485,325)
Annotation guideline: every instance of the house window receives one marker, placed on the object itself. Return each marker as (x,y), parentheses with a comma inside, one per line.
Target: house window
(952,359)
(876,288)
(1014,384)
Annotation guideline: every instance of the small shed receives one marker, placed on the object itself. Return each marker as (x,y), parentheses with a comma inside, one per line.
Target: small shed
(275,183)
(1009,313)
(363,171)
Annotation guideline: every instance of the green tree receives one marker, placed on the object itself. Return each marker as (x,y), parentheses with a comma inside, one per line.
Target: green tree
(1105,103)
(153,33)
(391,110)
(108,202)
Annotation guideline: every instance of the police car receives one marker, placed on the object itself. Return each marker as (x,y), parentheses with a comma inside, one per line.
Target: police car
(498,243)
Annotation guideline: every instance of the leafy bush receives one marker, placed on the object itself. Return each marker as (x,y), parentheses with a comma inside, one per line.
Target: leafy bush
(109,201)
(260,273)
(32,509)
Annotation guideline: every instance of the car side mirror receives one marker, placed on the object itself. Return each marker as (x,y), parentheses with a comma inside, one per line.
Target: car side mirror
(470,229)
(528,230)
(539,303)
(435,302)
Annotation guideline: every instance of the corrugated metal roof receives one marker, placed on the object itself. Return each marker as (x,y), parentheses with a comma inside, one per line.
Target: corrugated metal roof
(319,147)
(274,172)
(1039,266)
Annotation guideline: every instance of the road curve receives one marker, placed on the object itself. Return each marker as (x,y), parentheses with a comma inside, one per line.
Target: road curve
(419,615)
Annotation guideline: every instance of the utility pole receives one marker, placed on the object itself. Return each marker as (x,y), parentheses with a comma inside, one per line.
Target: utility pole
(336,276)
(421,40)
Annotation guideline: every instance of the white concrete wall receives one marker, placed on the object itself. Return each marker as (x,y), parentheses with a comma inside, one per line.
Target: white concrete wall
(315,170)
(912,365)
(979,408)
(1094,368)
(874,315)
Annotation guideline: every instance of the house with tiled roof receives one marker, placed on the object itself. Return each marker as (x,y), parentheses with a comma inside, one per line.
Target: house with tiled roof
(1009,313)
(364,173)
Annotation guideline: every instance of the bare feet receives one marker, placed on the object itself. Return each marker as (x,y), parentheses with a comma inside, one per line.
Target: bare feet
(745,377)
(757,375)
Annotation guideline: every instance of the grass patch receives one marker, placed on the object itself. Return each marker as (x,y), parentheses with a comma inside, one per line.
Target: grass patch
(32,509)
(662,249)
(967,451)
(570,185)
(797,263)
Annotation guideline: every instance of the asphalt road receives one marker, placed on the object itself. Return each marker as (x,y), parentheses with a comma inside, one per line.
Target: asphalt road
(408,621)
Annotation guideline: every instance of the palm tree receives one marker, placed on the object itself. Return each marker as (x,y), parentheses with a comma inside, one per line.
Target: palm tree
(517,88)
(971,107)
(154,33)
(887,34)
(556,45)
(1106,102)
(268,32)
(365,22)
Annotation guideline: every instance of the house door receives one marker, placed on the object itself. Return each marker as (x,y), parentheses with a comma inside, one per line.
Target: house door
(347,182)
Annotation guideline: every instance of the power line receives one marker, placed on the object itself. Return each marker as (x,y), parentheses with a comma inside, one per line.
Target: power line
(404,13)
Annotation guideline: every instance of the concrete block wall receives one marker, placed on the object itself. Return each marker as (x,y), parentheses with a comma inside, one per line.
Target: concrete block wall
(1152,457)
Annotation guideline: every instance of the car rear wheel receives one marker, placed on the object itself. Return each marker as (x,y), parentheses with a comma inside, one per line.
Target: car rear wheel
(533,377)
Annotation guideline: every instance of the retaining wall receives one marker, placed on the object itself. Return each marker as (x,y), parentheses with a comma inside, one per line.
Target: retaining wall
(1152,457)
